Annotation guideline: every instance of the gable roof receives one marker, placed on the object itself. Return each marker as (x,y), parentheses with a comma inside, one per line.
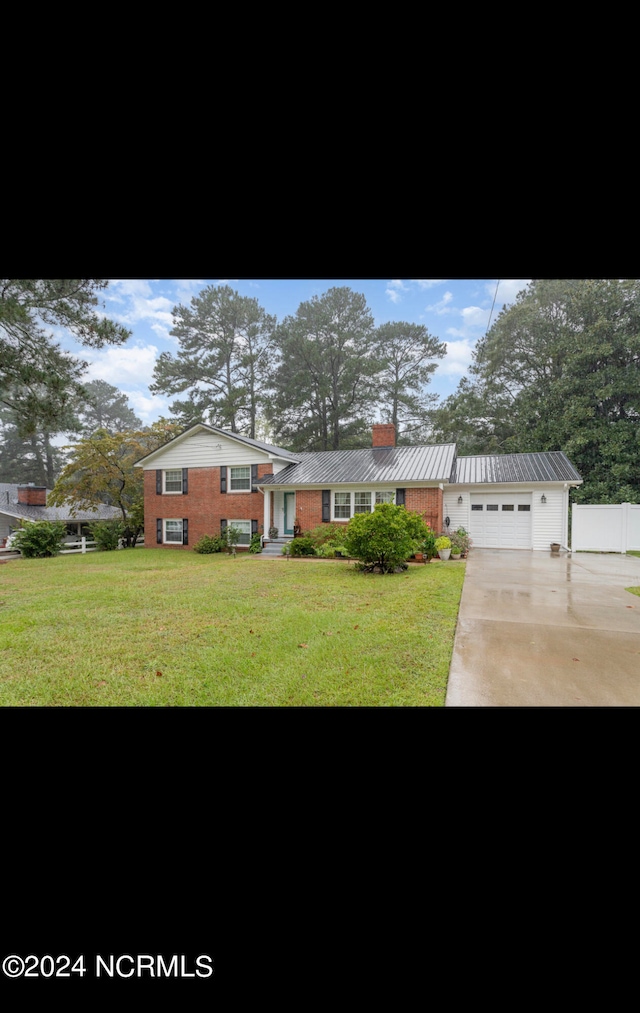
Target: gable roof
(552,466)
(374,464)
(267,448)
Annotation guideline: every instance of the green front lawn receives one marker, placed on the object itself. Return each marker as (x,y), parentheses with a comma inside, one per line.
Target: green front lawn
(171,628)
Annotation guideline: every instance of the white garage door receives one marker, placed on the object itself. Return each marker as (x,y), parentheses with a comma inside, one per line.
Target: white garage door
(501,520)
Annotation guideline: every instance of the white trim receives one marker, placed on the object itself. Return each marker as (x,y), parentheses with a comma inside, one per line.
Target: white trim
(351,493)
(235,524)
(235,467)
(202,427)
(171,520)
(171,492)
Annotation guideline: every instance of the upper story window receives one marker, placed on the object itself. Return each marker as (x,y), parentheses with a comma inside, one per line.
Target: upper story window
(173,480)
(240,479)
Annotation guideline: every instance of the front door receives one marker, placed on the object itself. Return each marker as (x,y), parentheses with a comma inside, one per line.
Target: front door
(289,498)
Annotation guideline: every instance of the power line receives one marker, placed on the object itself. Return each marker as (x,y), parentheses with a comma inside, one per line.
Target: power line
(494,302)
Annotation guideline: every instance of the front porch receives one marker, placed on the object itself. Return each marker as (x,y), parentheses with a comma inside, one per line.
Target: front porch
(279,511)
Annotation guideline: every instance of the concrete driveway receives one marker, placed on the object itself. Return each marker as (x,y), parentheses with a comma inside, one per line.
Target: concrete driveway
(547,631)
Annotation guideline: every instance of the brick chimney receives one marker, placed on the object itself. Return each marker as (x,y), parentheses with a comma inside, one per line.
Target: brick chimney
(384,434)
(32,495)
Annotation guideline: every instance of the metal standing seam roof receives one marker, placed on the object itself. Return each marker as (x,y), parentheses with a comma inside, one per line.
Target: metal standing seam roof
(552,466)
(373,464)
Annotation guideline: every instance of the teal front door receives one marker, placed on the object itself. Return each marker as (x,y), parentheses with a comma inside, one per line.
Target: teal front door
(289,498)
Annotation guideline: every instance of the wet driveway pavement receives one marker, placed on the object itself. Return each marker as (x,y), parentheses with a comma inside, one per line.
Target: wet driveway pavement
(546,631)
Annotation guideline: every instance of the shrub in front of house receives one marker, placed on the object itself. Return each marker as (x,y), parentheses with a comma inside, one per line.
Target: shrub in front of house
(429,545)
(323,534)
(39,539)
(209,543)
(302,546)
(384,539)
(106,534)
(255,545)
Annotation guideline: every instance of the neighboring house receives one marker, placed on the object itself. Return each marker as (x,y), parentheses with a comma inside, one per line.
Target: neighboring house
(29,503)
(207,478)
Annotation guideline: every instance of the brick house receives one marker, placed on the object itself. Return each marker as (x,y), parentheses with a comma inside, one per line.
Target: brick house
(28,502)
(208,478)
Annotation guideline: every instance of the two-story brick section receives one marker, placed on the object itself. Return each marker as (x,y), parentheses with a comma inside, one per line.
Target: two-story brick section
(208,478)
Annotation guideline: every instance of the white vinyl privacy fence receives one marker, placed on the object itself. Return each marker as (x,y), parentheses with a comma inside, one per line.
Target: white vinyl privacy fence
(605,528)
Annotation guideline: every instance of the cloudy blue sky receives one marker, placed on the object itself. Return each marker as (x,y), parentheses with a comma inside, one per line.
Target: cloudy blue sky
(453,310)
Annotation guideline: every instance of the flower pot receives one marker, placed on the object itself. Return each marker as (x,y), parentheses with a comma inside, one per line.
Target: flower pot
(455,555)
(555,547)
(419,557)
(444,553)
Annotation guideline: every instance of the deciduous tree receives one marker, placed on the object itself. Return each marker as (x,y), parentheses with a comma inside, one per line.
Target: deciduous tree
(560,370)
(101,469)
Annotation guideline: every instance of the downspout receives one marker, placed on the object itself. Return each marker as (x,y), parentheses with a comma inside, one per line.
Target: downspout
(261,489)
(566,519)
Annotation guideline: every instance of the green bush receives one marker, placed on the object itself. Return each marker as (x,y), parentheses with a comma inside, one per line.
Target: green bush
(302,546)
(384,539)
(255,545)
(107,534)
(209,543)
(429,544)
(334,534)
(326,551)
(39,539)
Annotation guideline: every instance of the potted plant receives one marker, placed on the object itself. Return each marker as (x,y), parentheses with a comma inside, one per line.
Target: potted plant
(297,527)
(443,546)
(457,543)
(273,532)
(460,543)
(555,548)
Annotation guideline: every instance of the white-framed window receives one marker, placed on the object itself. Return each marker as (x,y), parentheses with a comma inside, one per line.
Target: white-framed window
(245,528)
(342,505)
(240,479)
(173,480)
(346,504)
(173,531)
(362,502)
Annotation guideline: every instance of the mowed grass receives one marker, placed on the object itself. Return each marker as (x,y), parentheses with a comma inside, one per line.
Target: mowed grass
(154,627)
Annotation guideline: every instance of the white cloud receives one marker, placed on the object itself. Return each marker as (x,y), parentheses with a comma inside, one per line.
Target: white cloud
(458,358)
(128,287)
(186,290)
(507,290)
(425,283)
(443,305)
(394,289)
(475,316)
(122,365)
(145,406)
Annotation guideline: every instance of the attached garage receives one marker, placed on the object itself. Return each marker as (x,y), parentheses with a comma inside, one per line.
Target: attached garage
(511,501)
(501,520)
